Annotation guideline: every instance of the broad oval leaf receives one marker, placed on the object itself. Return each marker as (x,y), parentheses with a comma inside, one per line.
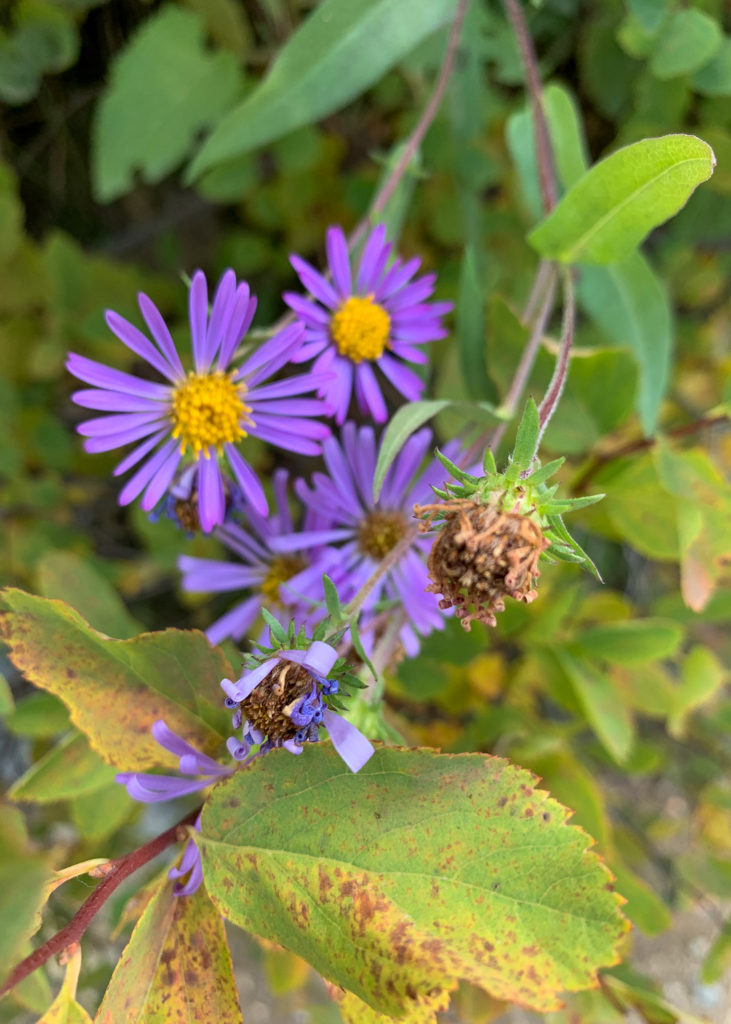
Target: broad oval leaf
(420,869)
(633,642)
(116,689)
(176,967)
(611,209)
(69,769)
(341,49)
(601,702)
(687,42)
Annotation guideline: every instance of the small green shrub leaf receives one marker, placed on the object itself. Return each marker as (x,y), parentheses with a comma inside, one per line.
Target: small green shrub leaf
(611,209)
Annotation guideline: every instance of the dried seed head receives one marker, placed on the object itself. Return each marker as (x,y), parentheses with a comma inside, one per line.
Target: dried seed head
(281,702)
(480,555)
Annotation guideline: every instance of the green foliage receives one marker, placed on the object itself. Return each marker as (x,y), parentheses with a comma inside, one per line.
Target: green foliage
(611,209)
(337,53)
(23,876)
(163,90)
(382,902)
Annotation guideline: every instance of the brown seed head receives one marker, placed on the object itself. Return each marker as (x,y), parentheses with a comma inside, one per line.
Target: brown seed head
(268,705)
(480,555)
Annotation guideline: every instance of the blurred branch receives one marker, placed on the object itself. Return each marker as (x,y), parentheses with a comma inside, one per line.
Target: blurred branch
(114,872)
(544,152)
(555,389)
(422,126)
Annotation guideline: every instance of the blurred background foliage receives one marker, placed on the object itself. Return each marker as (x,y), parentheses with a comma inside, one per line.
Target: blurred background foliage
(138,144)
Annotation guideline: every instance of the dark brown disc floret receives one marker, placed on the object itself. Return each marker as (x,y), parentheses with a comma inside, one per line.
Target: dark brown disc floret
(481,555)
(269,708)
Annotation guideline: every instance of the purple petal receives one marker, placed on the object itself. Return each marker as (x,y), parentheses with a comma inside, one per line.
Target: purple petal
(101,376)
(320,658)
(209,575)
(249,681)
(211,497)
(247,480)
(235,623)
(198,313)
(220,314)
(404,380)
(154,789)
(314,282)
(271,356)
(396,278)
(244,307)
(349,742)
(238,749)
(338,259)
(145,474)
(368,393)
(282,438)
(375,256)
(413,294)
(113,401)
(103,426)
(306,310)
(298,385)
(159,331)
(135,340)
(162,479)
(138,453)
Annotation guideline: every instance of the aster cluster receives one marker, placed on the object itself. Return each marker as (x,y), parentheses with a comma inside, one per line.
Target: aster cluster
(189,435)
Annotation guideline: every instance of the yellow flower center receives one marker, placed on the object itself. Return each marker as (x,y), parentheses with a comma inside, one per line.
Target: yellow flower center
(208,411)
(281,569)
(360,328)
(381,532)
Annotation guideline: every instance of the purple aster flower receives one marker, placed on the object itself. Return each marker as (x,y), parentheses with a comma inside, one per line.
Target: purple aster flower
(200,771)
(282,583)
(375,316)
(283,702)
(204,414)
(367,531)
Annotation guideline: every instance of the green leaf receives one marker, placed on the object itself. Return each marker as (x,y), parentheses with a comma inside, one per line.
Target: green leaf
(601,702)
(116,689)
(69,769)
(687,41)
(38,715)
(470,325)
(640,510)
(611,209)
(164,88)
(94,826)
(7,705)
(336,53)
(332,598)
(358,646)
(278,632)
(644,907)
(401,426)
(526,442)
(65,1009)
(702,676)
(718,958)
(176,966)
(567,137)
(64,575)
(632,642)
(630,304)
(23,876)
(350,872)
(714,78)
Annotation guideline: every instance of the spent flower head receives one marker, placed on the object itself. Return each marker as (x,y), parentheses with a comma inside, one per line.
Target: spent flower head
(372,316)
(495,528)
(201,416)
(286,694)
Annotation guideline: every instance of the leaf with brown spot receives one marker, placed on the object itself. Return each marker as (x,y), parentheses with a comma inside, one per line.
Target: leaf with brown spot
(116,689)
(419,870)
(176,967)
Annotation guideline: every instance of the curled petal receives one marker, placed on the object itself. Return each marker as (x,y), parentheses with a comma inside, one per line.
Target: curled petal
(349,742)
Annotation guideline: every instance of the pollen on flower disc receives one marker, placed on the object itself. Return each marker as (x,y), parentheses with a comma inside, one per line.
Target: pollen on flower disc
(360,328)
(207,412)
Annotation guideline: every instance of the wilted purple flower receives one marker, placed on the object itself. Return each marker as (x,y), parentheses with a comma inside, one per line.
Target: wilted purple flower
(283,702)
(203,414)
(201,770)
(282,583)
(375,317)
(368,531)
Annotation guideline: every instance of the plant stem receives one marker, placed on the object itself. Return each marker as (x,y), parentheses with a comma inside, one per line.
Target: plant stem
(643,444)
(115,872)
(422,126)
(555,389)
(544,152)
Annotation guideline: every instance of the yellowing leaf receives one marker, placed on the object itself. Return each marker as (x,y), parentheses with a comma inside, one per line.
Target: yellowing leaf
(419,870)
(176,968)
(116,689)
(65,1009)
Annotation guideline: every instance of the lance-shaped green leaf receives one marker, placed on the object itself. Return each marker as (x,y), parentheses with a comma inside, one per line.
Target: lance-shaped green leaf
(420,869)
(116,689)
(601,702)
(69,769)
(633,642)
(65,1009)
(611,209)
(336,53)
(176,967)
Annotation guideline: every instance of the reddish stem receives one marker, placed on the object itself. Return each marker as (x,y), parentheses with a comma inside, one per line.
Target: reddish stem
(114,873)
(544,152)
(555,388)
